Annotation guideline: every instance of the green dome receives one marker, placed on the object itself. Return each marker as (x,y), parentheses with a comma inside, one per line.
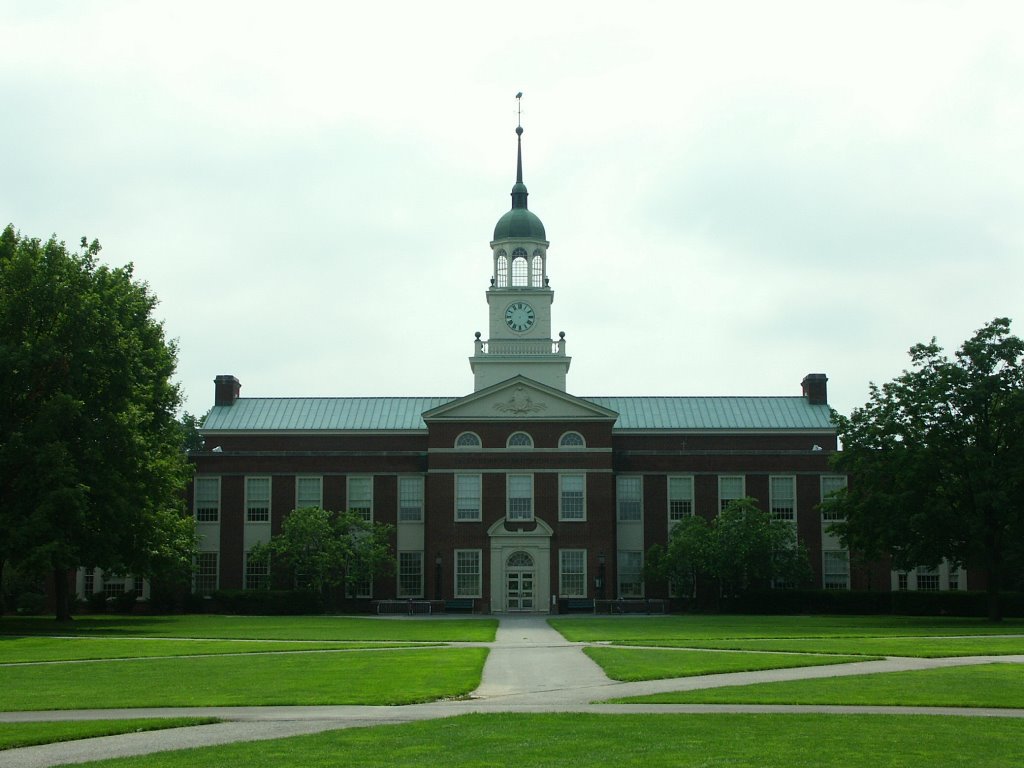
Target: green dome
(519,223)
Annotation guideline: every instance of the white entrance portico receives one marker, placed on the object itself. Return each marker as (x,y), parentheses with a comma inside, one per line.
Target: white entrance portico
(521,566)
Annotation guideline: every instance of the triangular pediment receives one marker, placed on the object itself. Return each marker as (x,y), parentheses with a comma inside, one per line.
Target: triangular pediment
(520,398)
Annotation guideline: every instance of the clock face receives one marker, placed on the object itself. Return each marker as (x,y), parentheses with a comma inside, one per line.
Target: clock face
(520,316)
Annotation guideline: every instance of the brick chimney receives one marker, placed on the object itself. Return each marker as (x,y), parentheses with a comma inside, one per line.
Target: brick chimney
(225,390)
(815,386)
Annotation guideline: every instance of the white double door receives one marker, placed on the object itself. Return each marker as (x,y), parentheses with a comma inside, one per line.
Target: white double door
(519,589)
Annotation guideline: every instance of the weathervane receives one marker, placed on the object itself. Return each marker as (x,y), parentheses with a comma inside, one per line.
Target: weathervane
(519,112)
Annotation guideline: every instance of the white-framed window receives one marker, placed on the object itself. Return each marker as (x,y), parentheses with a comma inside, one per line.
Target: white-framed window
(257,572)
(207,501)
(629,498)
(501,269)
(680,497)
(467,440)
(519,440)
(831,484)
(572,497)
(630,572)
(309,491)
(538,270)
(359,588)
(257,499)
(954,578)
(927,579)
(206,576)
(467,498)
(468,574)
(360,496)
(572,573)
(410,574)
(901,581)
(520,497)
(730,488)
(410,499)
(572,440)
(835,571)
(520,268)
(782,497)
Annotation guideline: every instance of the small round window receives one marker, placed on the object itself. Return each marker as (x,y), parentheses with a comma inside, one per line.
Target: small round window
(572,440)
(520,440)
(467,440)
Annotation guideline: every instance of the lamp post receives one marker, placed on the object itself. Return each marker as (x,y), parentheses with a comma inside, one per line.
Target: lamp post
(438,592)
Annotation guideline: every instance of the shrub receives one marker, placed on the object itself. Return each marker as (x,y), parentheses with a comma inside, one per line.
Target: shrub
(268,602)
(97,602)
(31,603)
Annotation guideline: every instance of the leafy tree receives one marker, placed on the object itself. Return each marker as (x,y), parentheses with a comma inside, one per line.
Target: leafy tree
(742,548)
(91,465)
(318,549)
(191,438)
(936,461)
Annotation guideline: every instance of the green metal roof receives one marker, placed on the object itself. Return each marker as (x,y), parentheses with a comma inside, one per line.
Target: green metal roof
(732,413)
(322,413)
(260,414)
(519,223)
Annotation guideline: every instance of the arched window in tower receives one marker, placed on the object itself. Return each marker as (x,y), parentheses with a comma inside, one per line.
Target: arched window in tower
(501,270)
(520,268)
(538,270)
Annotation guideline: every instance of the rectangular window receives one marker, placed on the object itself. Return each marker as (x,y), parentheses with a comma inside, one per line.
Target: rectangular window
(572,497)
(835,569)
(360,497)
(927,579)
(410,574)
(257,499)
(901,581)
(467,573)
(359,588)
(730,488)
(782,491)
(205,579)
(829,485)
(954,578)
(572,573)
(89,581)
(309,492)
(680,498)
(631,580)
(113,584)
(467,497)
(520,497)
(257,572)
(207,499)
(410,499)
(629,498)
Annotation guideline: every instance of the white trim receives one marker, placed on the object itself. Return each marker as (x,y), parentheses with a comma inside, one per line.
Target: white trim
(350,502)
(681,498)
(270,499)
(743,489)
(562,572)
(479,572)
(320,482)
(203,479)
(479,497)
(620,489)
(561,497)
(419,492)
(508,497)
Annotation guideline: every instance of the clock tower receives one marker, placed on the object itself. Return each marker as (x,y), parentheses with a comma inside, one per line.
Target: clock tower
(519,301)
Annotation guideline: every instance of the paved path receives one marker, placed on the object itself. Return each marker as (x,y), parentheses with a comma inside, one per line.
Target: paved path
(530,668)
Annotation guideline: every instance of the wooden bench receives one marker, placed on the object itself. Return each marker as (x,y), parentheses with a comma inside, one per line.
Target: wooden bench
(459,604)
(404,606)
(635,605)
(579,604)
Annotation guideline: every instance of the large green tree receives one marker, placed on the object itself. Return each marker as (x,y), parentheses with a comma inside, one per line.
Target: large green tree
(91,461)
(742,548)
(936,461)
(318,549)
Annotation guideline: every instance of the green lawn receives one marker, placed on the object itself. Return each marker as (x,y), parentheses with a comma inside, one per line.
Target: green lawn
(848,635)
(260,627)
(35,649)
(645,664)
(985,685)
(361,677)
(13,735)
(612,741)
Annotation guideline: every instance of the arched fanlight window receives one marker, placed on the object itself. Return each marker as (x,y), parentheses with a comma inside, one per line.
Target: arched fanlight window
(538,271)
(467,440)
(519,560)
(502,270)
(520,440)
(572,440)
(520,268)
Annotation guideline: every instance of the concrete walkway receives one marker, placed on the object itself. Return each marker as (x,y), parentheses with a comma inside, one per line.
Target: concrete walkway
(530,668)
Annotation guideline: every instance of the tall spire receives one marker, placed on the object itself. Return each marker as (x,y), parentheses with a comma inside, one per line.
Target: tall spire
(519,193)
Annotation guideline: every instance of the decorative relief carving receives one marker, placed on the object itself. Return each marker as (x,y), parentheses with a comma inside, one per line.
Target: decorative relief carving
(520,403)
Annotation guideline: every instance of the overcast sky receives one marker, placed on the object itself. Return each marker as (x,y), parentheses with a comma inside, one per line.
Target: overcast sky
(736,194)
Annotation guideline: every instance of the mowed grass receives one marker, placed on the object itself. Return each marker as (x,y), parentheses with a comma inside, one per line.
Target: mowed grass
(985,685)
(261,627)
(40,649)
(631,664)
(333,677)
(849,635)
(14,735)
(612,741)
